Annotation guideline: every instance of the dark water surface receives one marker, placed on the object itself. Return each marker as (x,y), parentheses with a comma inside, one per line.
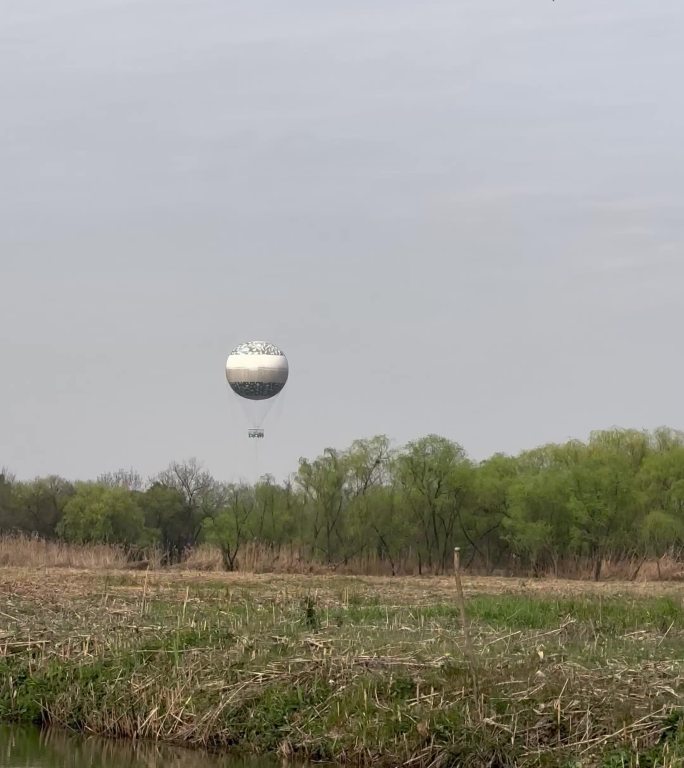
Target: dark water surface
(33,748)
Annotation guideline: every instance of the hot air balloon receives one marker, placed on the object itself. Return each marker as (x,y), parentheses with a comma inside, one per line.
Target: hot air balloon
(257,372)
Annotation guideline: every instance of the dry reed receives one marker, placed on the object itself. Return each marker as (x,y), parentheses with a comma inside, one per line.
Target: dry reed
(20,550)
(33,552)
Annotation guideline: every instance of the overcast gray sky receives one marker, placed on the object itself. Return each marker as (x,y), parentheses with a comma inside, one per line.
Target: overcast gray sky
(462,217)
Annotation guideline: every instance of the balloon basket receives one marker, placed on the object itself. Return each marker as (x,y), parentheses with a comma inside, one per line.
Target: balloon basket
(259,433)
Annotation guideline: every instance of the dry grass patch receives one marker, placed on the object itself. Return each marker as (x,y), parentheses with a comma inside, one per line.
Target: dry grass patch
(22,551)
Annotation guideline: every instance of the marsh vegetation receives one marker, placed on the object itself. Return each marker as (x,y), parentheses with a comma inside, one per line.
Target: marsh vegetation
(351,669)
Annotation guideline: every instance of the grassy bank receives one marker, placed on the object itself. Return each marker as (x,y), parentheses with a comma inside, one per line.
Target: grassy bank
(356,669)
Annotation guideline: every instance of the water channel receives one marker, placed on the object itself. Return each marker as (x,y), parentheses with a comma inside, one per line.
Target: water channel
(35,748)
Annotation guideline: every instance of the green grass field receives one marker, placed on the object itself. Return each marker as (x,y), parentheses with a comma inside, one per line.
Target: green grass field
(355,669)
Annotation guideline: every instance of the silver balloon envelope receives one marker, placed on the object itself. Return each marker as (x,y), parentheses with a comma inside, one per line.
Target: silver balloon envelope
(256,371)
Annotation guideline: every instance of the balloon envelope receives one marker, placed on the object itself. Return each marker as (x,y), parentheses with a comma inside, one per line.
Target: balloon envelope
(257,370)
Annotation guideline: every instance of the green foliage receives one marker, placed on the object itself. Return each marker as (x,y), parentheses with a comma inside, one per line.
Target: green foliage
(164,512)
(229,527)
(40,504)
(436,479)
(310,616)
(97,513)
(323,483)
(618,496)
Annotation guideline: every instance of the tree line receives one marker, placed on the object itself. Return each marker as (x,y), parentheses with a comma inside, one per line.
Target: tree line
(617,496)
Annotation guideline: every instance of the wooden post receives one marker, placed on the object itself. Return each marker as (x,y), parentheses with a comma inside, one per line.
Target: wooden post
(469,652)
(461,598)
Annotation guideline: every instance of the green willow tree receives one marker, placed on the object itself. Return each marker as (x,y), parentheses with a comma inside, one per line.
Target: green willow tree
(323,485)
(492,500)
(661,482)
(436,478)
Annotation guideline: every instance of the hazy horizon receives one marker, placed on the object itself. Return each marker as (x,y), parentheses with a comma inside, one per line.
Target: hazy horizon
(462,219)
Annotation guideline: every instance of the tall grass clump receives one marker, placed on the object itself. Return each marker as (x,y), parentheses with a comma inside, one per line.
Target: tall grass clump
(24,551)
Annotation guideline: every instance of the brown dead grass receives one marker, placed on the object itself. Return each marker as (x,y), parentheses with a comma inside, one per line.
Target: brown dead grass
(18,551)
(21,550)
(255,557)
(327,589)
